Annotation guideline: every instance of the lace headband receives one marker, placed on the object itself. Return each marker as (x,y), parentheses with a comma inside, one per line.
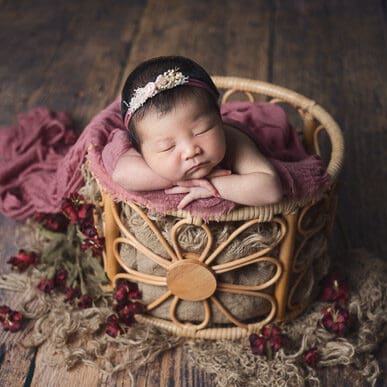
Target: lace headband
(168,80)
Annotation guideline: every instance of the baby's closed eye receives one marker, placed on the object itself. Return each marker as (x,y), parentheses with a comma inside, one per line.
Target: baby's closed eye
(164,146)
(167,149)
(202,131)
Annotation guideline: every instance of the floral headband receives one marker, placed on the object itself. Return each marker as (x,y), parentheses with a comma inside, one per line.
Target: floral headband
(168,80)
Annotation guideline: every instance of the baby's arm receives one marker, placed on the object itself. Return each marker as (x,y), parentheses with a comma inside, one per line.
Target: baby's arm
(133,174)
(255,181)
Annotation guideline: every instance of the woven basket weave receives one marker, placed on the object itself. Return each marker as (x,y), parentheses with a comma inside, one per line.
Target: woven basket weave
(296,256)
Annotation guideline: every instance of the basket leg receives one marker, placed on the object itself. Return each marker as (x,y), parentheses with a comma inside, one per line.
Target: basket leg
(286,256)
(111,232)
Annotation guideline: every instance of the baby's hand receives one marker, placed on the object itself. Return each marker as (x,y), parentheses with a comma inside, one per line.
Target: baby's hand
(203,183)
(193,193)
(197,188)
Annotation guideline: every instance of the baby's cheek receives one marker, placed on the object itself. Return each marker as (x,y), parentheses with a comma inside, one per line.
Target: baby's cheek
(168,169)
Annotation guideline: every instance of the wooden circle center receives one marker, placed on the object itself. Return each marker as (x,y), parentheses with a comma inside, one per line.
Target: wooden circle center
(191,280)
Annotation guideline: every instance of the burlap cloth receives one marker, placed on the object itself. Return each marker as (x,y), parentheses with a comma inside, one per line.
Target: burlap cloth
(193,239)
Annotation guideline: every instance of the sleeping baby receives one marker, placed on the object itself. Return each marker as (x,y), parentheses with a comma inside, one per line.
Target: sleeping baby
(180,143)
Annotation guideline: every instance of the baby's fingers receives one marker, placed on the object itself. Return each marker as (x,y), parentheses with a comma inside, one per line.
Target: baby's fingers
(176,190)
(199,183)
(210,187)
(186,200)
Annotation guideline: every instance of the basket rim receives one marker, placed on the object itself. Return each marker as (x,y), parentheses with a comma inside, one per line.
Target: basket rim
(267,212)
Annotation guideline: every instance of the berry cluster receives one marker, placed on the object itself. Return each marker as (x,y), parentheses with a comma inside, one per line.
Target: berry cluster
(126,306)
(11,320)
(335,319)
(269,340)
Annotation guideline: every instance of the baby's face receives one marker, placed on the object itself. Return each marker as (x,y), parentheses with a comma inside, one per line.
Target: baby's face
(185,143)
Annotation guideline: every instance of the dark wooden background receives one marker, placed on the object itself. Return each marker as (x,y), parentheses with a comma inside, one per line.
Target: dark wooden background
(74,56)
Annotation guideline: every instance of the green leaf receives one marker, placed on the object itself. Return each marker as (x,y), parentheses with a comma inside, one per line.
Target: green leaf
(98,270)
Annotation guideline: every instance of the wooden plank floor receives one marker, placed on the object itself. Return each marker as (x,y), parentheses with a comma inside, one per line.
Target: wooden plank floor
(74,56)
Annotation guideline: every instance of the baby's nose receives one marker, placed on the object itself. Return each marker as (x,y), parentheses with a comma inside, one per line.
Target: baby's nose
(191,150)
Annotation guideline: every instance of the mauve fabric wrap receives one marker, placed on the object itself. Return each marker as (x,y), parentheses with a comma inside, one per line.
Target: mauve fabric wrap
(37,170)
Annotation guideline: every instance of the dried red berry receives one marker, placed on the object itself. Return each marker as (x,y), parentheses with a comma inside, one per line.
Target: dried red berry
(53,222)
(335,319)
(270,331)
(88,229)
(135,294)
(23,260)
(70,211)
(270,340)
(124,294)
(126,315)
(274,336)
(4,310)
(130,287)
(95,245)
(312,357)
(276,342)
(11,320)
(76,209)
(85,211)
(46,285)
(335,288)
(136,307)
(121,295)
(71,293)
(113,327)
(257,344)
(60,278)
(85,301)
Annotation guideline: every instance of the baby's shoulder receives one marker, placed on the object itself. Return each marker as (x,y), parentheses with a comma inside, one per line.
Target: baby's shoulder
(131,152)
(240,149)
(237,137)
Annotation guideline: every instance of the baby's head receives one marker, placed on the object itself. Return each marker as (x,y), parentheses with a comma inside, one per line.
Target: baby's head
(170,108)
(165,101)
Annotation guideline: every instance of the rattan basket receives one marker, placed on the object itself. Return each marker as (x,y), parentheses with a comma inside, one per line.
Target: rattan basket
(195,277)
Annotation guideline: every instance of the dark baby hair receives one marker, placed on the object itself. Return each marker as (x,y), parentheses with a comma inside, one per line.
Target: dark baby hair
(165,100)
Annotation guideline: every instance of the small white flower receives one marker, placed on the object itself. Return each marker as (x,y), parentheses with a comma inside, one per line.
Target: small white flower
(141,95)
(161,82)
(149,89)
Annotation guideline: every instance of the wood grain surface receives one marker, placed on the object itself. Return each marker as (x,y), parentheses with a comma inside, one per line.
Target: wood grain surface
(75,55)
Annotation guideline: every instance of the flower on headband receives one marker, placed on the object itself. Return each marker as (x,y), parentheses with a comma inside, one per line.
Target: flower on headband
(141,95)
(168,80)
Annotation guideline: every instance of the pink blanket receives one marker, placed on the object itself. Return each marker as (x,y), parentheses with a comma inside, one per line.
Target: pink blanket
(39,167)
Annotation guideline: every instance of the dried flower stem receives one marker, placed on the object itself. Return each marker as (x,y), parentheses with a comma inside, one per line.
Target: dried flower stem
(80,271)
